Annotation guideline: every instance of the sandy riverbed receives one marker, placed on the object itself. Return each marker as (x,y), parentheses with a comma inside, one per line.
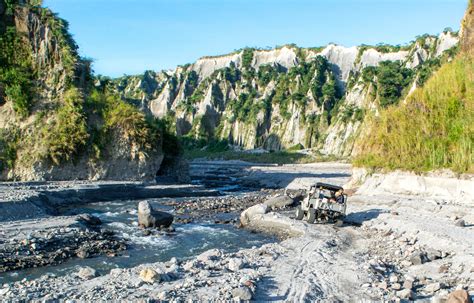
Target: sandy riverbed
(395,245)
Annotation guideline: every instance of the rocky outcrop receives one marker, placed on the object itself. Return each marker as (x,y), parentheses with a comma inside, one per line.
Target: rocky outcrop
(56,119)
(278,98)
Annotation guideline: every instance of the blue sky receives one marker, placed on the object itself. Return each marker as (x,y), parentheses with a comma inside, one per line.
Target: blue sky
(130,36)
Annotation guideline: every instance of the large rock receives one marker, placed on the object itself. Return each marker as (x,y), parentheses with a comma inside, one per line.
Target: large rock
(252,212)
(459,296)
(242,293)
(210,255)
(149,275)
(148,217)
(279,202)
(87,273)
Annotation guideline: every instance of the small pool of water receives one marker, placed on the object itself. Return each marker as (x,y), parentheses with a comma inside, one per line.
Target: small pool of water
(121,216)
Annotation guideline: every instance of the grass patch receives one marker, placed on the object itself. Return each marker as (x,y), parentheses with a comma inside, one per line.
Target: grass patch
(433,130)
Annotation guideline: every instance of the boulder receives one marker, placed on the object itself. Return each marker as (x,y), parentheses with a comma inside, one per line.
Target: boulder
(242,293)
(251,212)
(210,255)
(148,217)
(460,223)
(416,258)
(433,287)
(405,294)
(89,219)
(235,264)
(149,275)
(459,296)
(279,202)
(87,273)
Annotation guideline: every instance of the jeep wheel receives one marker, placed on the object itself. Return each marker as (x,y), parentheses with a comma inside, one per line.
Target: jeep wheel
(299,213)
(311,215)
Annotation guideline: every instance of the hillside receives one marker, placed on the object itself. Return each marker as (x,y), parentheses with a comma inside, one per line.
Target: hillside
(434,128)
(287,97)
(55,122)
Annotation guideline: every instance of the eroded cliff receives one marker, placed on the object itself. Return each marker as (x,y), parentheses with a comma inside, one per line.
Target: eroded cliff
(287,97)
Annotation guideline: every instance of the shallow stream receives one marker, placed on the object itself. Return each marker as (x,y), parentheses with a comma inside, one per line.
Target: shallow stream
(121,216)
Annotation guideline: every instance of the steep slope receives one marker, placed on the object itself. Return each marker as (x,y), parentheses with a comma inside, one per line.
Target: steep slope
(55,123)
(434,127)
(286,97)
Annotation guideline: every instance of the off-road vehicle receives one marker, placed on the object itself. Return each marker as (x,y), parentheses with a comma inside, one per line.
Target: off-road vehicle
(324,203)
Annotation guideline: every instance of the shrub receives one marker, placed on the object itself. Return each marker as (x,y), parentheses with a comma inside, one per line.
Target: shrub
(67,134)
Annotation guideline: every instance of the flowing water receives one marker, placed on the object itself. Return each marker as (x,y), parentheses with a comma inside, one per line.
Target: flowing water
(121,216)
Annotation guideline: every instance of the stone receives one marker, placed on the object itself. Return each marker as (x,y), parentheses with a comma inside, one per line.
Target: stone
(235,264)
(89,219)
(460,223)
(396,286)
(408,284)
(459,296)
(279,202)
(393,278)
(87,273)
(433,254)
(416,258)
(83,254)
(383,285)
(444,268)
(210,255)
(149,275)
(405,294)
(148,217)
(251,212)
(432,288)
(242,293)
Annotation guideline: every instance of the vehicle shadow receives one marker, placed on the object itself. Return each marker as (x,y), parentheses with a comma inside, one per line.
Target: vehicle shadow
(265,291)
(357,218)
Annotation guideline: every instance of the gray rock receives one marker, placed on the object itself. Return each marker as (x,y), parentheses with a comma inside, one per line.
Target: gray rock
(416,258)
(83,254)
(210,255)
(87,273)
(89,219)
(396,286)
(393,278)
(406,294)
(242,293)
(248,214)
(433,254)
(235,264)
(433,287)
(408,284)
(460,223)
(279,202)
(148,217)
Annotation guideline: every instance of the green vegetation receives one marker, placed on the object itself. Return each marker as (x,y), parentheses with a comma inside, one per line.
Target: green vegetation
(67,134)
(15,71)
(8,148)
(390,79)
(433,130)
(119,118)
(247,57)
